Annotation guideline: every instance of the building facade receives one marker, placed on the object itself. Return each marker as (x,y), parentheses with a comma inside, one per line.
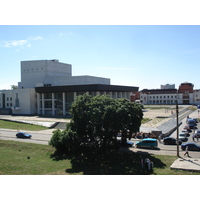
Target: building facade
(168,95)
(158,96)
(47,87)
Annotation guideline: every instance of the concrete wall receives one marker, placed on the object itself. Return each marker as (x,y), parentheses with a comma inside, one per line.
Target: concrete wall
(33,72)
(76,80)
(21,101)
(52,72)
(27,102)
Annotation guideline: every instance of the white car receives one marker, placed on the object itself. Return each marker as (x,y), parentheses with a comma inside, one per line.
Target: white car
(197,134)
(182,137)
(197,131)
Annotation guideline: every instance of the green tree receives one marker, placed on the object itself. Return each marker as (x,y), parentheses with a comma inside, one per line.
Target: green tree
(95,123)
(14,87)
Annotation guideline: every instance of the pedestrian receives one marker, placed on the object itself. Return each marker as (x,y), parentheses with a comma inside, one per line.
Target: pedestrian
(193,137)
(186,151)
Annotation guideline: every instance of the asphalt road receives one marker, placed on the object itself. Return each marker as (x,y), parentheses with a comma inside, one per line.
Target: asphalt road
(43,137)
(171,149)
(37,137)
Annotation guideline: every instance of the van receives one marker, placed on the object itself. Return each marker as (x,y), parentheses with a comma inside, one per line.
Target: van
(147,142)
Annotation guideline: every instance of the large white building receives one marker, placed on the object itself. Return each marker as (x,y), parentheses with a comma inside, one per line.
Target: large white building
(47,87)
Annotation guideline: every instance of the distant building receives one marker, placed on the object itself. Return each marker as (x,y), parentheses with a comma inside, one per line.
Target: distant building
(168,95)
(158,96)
(47,87)
(185,92)
(168,86)
(196,95)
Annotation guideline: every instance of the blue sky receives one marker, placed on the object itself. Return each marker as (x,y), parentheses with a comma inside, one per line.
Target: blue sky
(145,56)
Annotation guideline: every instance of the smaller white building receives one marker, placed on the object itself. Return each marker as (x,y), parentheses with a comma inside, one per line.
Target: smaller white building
(21,101)
(159,97)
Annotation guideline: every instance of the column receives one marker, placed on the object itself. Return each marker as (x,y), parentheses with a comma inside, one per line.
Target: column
(64,107)
(75,96)
(128,95)
(53,104)
(43,104)
(38,103)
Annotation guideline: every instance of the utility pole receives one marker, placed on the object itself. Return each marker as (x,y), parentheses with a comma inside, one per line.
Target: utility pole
(177,128)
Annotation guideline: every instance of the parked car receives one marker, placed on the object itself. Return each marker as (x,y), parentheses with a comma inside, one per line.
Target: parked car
(23,135)
(185,132)
(147,142)
(171,140)
(128,143)
(191,123)
(191,146)
(182,137)
(197,134)
(188,129)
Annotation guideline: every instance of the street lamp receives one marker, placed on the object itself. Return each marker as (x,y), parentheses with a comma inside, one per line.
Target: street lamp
(177,128)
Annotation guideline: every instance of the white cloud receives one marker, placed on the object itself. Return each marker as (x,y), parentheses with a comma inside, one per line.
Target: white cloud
(61,34)
(19,43)
(14,43)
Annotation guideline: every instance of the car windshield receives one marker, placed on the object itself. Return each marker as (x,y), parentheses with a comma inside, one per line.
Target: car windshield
(182,135)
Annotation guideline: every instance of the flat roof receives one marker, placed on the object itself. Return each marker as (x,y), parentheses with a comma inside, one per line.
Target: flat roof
(84,88)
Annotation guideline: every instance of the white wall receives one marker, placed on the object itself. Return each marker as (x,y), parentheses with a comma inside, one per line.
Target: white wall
(76,80)
(41,72)
(33,72)
(27,101)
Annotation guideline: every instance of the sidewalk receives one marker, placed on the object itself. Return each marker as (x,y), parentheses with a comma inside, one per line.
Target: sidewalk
(36,120)
(168,125)
(189,164)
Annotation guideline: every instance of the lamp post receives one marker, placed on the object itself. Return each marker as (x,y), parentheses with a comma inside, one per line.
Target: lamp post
(177,128)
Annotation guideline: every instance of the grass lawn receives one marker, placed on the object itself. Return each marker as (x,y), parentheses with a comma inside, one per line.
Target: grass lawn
(18,158)
(21,126)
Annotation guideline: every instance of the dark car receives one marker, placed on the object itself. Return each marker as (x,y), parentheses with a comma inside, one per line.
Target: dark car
(191,146)
(171,140)
(23,135)
(191,123)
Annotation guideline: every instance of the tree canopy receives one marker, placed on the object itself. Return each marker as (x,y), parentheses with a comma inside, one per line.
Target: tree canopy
(96,122)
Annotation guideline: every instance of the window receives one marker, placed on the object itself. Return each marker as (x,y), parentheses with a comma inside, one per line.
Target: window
(47,85)
(47,96)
